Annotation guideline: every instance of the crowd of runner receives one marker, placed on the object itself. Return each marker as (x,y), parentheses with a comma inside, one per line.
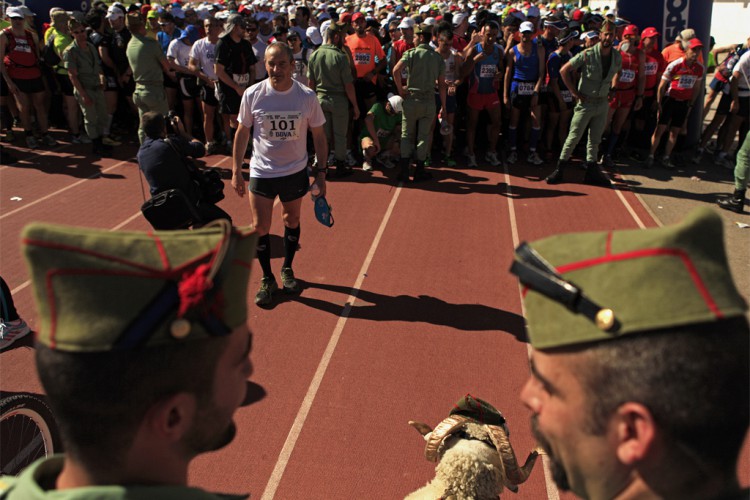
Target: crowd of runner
(505,59)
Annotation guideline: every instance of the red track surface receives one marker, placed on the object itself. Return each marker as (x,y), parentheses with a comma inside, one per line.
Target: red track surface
(408,305)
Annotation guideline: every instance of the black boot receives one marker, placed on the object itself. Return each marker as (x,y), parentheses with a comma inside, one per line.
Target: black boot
(556,177)
(420,174)
(99,148)
(595,176)
(342,170)
(403,173)
(734,203)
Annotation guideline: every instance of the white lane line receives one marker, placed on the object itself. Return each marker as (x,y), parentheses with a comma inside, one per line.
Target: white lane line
(304,410)
(43,198)
(549,483)
(629,207)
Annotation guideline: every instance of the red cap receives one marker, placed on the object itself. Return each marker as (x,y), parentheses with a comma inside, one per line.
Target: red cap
(649,32)
(630,29)
(577,15)
(345,17)
(357,15)
(694,43)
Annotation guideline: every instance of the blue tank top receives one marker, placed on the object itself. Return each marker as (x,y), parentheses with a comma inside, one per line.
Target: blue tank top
(484,72)
(525,71)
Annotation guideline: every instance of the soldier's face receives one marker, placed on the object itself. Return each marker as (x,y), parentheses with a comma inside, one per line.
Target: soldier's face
(606,38)
(213,426)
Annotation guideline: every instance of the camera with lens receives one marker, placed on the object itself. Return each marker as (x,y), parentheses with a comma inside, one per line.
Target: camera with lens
(169,120)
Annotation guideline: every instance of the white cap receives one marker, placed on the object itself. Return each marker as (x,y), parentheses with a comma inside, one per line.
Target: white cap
(397,102)
(526,27)
(26,11)
(114,12)
(424,9)
(430,21)
(406,22)
(459,18)
(14,12)
(314,35)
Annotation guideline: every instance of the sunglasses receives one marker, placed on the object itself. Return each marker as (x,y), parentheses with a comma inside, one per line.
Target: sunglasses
(164,24)
(78,32)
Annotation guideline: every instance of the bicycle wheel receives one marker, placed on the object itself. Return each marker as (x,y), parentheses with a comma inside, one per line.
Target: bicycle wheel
(27,432)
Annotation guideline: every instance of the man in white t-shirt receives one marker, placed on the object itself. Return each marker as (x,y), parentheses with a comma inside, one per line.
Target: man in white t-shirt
(279,111)
(202,60)
(259,48)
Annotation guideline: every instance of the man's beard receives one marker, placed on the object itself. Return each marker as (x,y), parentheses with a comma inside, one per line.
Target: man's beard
(606,44)
(204,436)
(556,467)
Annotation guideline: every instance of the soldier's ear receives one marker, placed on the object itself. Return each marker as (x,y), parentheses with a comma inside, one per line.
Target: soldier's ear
(635,432)
(171,418)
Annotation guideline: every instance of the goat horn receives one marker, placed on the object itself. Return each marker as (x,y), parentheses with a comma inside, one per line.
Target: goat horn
(513,473)
(442,430)
(423,429)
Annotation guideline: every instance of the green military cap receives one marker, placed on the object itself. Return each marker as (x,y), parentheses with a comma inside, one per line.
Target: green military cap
(587,287)
(423,29)
(336,27)
(101,291)
(478,410)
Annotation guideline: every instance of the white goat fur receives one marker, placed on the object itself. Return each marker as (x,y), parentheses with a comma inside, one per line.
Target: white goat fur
(468,470)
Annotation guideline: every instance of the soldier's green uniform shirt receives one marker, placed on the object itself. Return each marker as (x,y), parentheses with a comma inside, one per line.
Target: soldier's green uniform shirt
(329,68)
(423,66)
(86,62)
(592,82)
(145,56)
(37,481)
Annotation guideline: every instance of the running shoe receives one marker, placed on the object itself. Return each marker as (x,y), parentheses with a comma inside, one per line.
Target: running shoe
(491,158)
(648,162)
(512,157)
(49,140)
(108,140)
(331,158)
(288,281)
(607,161)
(449,162)
(32,142)
(534,158)
(427,162)
(367,166)
(75,139)
(85,139)
(471,160)
(11,331)
(725,162)
(666,162)
(10,136)
(267,288)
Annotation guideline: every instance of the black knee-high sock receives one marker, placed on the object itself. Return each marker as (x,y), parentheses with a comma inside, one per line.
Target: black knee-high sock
(264,255)
(291,240)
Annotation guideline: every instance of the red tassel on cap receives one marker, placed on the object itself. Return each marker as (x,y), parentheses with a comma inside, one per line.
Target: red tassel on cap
(193,288)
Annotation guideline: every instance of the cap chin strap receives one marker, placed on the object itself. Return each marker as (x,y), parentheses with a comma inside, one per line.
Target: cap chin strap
(536,273)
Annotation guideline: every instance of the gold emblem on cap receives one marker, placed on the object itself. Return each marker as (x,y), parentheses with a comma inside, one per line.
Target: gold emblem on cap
(605,319)
(180,328)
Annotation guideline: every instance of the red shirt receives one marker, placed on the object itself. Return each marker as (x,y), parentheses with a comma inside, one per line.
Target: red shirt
(655,65)
(629,73)
(459,43)
(682,78)
(20,56)
(399,47)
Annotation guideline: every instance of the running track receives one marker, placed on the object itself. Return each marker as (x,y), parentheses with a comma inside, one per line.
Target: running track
(407,306)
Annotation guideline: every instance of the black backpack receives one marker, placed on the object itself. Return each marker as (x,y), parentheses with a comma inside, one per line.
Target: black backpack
(49,55)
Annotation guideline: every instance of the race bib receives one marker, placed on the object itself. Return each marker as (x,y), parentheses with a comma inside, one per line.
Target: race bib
(243,80)
(22,46)
(651,68)
(525,88)
(627,76)
(362,58)
(281,125)
(686,82)
(487,71)
(566,95)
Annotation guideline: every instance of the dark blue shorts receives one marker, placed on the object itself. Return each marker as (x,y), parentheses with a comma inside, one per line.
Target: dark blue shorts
(450,103)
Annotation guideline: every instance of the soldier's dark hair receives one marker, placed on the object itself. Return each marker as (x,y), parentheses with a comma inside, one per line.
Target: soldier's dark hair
(695,381)
(100,399)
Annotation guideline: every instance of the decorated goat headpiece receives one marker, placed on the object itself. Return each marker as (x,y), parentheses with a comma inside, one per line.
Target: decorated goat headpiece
(470,410)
